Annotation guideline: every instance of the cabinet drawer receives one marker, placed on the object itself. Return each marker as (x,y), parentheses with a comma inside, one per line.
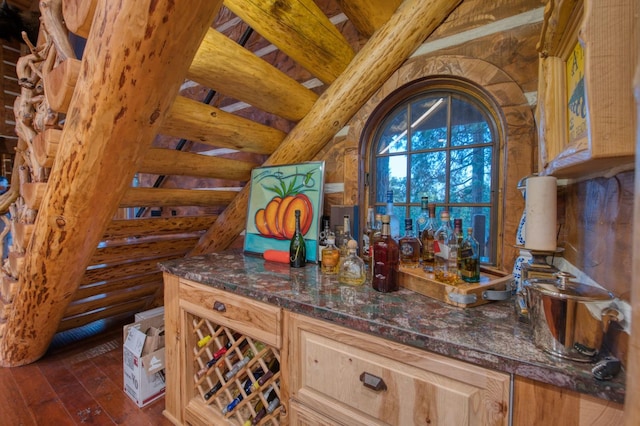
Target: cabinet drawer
(338,372)
(242,314)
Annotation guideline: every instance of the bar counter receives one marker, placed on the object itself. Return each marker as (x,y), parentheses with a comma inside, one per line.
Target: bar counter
(488,335)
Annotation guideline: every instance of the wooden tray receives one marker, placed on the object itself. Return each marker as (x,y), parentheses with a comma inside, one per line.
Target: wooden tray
(464,295)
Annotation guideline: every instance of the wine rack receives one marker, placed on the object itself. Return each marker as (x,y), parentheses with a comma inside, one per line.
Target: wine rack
(236,375)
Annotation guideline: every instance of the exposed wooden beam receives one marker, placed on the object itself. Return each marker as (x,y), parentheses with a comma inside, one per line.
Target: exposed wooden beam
(140,47)
(203,123)
(162,161)
(136,228)
(299,29)
(163,197)
(368,15)
(373,65)
(224,65)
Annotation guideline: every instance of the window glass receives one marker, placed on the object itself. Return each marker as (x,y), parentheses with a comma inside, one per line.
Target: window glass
(438,142)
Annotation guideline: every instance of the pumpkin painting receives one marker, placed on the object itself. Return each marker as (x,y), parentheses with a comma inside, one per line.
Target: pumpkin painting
(277,219)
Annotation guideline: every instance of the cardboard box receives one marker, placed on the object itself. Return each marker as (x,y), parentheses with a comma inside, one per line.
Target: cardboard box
(159,311)
(143,360)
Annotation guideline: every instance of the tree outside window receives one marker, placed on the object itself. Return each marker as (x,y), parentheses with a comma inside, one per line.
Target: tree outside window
(441,144)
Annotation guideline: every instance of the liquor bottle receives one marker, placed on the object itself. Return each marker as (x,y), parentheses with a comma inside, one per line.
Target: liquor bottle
(470,258)
(352,270)
(385,256)
(322,237)
(375,235)
(367,234)
(346,236)
(394,222)
(409,246)
(426,237)
(331,256)
(457,232)
(441,251)
(423,218)
(297,248)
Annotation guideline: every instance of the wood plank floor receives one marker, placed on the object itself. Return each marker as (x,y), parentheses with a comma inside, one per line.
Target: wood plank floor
(76,384)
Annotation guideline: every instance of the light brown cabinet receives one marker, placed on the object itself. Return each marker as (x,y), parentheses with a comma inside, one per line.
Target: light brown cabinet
(219,347)
(352,378)
(331,375)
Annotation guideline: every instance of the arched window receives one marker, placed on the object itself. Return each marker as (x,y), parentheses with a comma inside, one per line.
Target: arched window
(437,138)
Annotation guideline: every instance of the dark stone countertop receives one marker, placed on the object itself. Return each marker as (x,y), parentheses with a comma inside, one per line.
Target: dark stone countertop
(488,335)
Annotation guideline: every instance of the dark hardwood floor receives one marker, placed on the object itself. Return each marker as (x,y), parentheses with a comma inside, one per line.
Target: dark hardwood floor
(75,383)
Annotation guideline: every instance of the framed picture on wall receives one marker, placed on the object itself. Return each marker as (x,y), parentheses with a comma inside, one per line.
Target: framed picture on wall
(276,193)
(585,94)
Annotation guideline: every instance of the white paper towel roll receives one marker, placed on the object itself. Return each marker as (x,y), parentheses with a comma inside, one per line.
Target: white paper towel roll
(541,210)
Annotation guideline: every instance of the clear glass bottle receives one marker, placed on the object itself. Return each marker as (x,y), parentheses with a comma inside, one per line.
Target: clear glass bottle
(394,222)
(367,234)
(352,270)
(386,259)
(346,236)
(331,256)
(409,246)
(470,258)
(442,251)
(423,218)
(457,231)
(426,237)
(322,237)
(297,247)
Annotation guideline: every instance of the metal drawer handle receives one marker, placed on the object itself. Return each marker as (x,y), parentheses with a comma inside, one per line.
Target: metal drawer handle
(373,382)
(219,306)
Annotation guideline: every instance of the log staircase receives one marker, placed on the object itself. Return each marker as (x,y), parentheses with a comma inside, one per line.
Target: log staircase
(88,126)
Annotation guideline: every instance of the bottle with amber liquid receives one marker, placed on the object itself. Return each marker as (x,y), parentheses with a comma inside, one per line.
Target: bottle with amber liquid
(352,270)
(386,260)
(409,246)
(470,258)
(426,237)
(297,248)
(330,256)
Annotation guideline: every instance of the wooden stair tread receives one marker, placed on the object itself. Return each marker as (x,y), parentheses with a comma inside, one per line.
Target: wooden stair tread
(162,161)
(143,227)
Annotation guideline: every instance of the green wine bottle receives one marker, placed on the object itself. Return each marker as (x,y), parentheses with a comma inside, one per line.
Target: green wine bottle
(297,249)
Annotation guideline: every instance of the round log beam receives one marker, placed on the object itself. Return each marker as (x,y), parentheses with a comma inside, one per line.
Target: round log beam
(372,66)
(132,69)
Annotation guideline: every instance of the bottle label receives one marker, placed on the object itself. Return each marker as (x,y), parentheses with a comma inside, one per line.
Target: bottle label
(440,250)
(466,253)
(406,249)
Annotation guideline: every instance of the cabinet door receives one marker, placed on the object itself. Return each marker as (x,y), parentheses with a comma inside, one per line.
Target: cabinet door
(231,351)
(359,379)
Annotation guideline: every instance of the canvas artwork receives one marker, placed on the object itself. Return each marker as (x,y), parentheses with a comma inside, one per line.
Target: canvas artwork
(276,193)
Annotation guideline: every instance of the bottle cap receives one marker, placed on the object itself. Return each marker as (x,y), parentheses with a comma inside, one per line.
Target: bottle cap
(444,215)
(408,223)
(352,244)
(386,218)
(331,240)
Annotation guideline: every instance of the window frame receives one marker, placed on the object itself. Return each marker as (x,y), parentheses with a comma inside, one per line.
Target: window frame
(459,88)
